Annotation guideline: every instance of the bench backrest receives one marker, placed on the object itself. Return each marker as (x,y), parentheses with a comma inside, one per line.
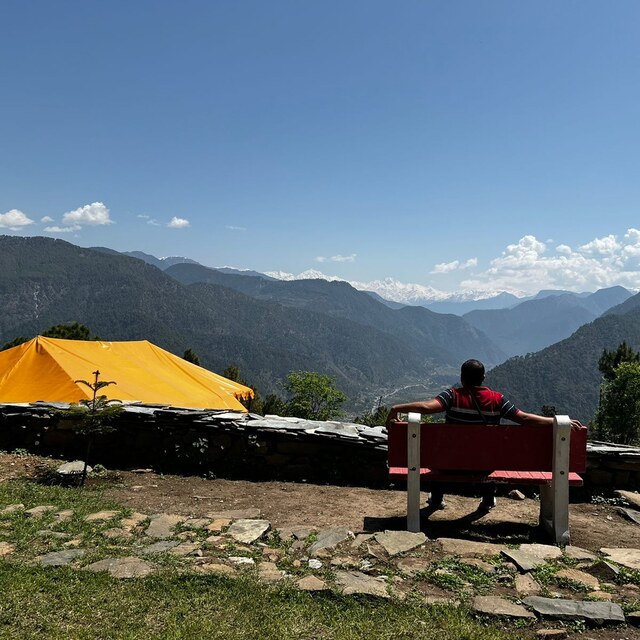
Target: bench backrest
(485,448)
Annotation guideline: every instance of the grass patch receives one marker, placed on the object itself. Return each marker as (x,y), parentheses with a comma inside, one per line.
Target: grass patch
(63,603)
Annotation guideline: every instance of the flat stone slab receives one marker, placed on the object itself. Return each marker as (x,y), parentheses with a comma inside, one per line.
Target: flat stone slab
(100,516)
(413,566)
(395,542)
(578,553)
(134,520)
(116,533)
(269,572)
(196,523)
(60,558)
(328,539)
(160,547)
(6,548)
(470,548)
(311,583)
(530,556)
(72,468)
(218,524)
(585,579)
(597,612)
(629,558)
(163,524)
(11,508)
(240,560)
(496,606)
(526,585)
(63,516)
(355,582)
(186,549)
(630,514)
(38,512)
(252,513)
(129,567)
(248,531)
(631,497)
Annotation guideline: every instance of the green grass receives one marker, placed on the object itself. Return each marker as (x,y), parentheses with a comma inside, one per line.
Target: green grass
(62,603)
(66,603)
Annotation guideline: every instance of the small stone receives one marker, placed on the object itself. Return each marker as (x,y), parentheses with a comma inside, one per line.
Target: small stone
(314,564)
(361,538)
(496,606)
(136,488)
(160,547)
(186,549)
(196,523)
(296,563)
(395,542)
(162,525)
(72,468)
(269,572)
(218,525)
(215,541)
(526,585)
(345,562)
(60,558)
(328,539)
(578,553)
(413,566)
(597,612)
(6,549)
(552,634)
(516,495)
(117,532)
(241,560)
(11,508)
(601,595)
(629,558)
(101,515)
(531,556)
(430,600)
(63,516)
(129,567)
(470,548)
(248,531)
(38,512)
(580,577)
(141,470)
(134,520)
(75,542)
(631,497)
(311,583)
(479,564)
(186,535)
(355,582)
(273,553)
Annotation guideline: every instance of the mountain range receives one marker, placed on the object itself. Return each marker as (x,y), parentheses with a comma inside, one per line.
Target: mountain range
(269,327)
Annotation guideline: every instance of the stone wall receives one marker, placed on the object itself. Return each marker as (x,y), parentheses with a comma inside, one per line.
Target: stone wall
(235,445)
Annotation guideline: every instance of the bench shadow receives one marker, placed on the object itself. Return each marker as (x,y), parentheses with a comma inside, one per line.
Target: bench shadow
(471,526)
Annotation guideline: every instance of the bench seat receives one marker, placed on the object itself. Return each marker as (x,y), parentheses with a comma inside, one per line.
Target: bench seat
(504,477)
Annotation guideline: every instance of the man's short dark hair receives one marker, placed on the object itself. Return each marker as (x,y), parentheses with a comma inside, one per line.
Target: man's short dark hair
(472,373)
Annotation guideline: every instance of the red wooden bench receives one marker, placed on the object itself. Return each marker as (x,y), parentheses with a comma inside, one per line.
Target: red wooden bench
(551,457)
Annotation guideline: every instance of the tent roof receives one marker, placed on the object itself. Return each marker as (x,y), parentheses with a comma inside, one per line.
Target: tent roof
(47,369)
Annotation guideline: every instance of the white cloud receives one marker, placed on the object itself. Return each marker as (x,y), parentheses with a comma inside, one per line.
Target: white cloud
(448,267)
(57,229)
(46,219)
(144,217)
(232,228)
(178,223)
(14,220)
(91,215)
(338,258)
(564,248)
(603,246)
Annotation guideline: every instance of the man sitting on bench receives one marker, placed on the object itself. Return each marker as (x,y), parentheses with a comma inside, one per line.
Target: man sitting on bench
(472,404)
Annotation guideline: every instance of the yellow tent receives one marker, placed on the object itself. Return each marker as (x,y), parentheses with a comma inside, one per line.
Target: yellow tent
(47,368)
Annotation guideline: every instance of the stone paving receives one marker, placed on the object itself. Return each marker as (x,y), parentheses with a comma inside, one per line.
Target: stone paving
(533,582)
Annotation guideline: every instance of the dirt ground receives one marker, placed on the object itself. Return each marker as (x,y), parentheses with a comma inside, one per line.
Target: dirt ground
(289,504)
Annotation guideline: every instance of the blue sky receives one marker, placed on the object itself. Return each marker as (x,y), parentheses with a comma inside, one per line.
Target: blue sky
(457,145)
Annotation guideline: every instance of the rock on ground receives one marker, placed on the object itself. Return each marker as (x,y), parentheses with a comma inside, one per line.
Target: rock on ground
(496,606)
(597,612)
(248,531)
(328,539)
(129,567)
(629,558)
(162,525)
(395,542)
(355,582)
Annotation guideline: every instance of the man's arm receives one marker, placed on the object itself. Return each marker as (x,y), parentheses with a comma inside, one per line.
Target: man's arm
(533,419)
(426,407)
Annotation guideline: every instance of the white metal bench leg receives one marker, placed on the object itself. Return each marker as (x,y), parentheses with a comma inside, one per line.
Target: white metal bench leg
(554,499)
(413,477)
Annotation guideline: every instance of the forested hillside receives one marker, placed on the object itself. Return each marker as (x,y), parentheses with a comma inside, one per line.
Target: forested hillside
(566,374)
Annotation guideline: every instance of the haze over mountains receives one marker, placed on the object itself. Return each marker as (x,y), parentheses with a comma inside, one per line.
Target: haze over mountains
(270,327)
